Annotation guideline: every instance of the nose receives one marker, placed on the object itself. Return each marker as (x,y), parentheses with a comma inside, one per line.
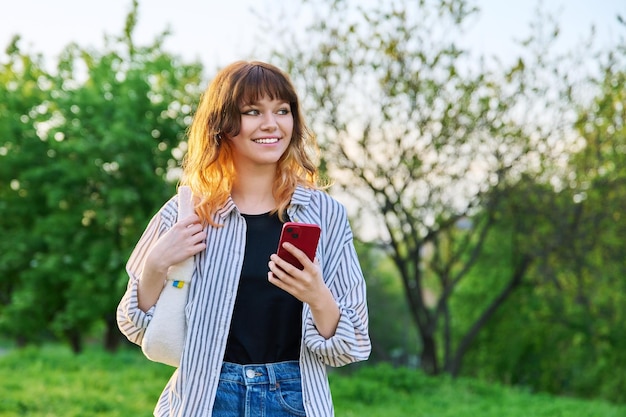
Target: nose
(269,121)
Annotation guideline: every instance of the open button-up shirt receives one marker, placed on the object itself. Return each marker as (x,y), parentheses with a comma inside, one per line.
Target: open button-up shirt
(192,388)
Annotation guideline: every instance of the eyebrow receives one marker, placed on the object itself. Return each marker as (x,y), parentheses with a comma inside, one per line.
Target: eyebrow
(256,102)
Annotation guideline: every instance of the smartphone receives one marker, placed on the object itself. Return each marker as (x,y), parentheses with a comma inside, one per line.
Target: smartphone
(304,236)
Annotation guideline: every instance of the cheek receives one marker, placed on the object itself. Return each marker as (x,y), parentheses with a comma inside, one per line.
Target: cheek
(288,127)
(245,127)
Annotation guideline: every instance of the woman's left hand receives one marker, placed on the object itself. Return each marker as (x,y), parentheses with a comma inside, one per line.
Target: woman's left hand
(308,286)
(303,284)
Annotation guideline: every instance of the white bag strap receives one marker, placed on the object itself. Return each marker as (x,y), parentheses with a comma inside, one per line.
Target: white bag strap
(185,201)
(180,274)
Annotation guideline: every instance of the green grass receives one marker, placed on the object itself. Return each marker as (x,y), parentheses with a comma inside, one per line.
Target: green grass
(382,391)
(52,382)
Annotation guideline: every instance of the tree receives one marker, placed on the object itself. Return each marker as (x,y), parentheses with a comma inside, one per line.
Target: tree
(20,95)
(94,157)
(429,144)
(560,331)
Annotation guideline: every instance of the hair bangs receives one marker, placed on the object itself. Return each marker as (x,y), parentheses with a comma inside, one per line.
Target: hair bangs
(261,81)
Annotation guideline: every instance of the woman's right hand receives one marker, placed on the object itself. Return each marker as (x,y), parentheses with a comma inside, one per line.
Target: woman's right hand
(186,238)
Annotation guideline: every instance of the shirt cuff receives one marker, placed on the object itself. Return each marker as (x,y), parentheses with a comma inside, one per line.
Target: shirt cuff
(137,316)
(340,349)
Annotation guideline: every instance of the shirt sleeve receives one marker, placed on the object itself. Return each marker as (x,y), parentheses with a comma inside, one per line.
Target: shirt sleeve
(131,320)
(351,342)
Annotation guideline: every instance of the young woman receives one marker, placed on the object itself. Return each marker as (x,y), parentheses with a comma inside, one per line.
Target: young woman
(260,331)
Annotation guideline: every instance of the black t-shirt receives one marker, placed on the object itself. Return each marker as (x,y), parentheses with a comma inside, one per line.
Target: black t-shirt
(267,322)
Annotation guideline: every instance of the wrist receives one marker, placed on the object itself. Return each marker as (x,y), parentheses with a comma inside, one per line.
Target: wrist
(326,314)
(324,301)
(154,270)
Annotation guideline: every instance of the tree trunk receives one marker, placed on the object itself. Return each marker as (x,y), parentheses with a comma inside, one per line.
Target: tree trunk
(112,335)
(75,340)
(428,356)
(453,366)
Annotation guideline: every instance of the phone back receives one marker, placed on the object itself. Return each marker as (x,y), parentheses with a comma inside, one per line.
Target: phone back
(304,236)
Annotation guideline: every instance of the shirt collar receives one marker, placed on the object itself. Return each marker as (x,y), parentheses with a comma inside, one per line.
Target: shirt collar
(301,197)
(227,208)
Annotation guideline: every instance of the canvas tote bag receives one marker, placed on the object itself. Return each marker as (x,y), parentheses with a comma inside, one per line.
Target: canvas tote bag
(164,337)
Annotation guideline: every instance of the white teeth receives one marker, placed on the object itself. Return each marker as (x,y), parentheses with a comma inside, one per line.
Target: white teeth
(268,140)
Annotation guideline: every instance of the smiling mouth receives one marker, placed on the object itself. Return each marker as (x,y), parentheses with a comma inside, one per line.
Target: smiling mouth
(266,140)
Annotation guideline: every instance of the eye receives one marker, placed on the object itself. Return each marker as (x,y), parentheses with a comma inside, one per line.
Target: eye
(283,111)
(250,112)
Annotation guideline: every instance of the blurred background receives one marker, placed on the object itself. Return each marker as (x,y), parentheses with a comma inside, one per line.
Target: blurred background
(479,146)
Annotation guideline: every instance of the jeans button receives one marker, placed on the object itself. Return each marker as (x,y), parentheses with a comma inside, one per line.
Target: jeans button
(250,373)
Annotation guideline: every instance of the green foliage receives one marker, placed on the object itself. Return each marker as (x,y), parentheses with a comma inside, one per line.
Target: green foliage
(88,153)
(392,331)
(558,333)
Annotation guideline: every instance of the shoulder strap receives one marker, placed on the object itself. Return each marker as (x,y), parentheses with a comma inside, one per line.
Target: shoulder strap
(185,201)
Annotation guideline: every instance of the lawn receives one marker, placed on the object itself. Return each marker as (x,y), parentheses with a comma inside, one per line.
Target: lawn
(52,382)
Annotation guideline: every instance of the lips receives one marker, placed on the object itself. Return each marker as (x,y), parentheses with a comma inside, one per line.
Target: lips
(266,141)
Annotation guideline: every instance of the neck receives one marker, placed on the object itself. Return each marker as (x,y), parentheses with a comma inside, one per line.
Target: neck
(253,193)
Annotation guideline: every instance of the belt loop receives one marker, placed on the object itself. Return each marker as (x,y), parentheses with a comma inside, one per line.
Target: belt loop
(272,376)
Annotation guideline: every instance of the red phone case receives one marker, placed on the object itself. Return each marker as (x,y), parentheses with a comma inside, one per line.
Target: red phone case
(304,236)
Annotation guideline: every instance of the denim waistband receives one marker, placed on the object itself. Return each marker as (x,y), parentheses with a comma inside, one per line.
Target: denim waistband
(269,373)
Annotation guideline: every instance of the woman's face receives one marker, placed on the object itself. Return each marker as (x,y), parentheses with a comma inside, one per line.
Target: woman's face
(265,134)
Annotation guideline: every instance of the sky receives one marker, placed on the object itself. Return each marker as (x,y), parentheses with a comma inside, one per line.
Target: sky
(217,35)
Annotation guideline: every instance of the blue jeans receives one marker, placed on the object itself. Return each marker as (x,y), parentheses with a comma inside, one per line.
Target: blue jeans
(270,390)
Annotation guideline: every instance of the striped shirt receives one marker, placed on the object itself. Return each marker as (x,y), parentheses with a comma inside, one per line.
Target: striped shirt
(191,390)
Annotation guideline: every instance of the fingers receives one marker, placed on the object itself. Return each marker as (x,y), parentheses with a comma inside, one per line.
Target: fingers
(187,236)
(196,241)
(190,225)
(189,220)
(281,269)
(298,254)
(301,283)
(284,278)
